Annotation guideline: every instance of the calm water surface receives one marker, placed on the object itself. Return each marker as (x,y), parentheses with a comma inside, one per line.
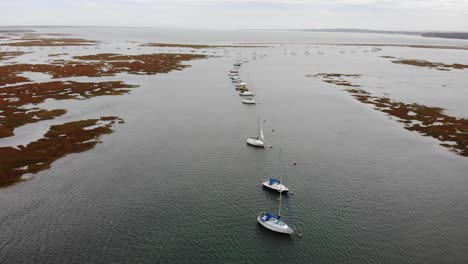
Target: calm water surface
(177,184)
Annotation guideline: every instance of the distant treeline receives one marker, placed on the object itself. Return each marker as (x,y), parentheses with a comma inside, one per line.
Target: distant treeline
(355,30)
(452,35)
(446,35)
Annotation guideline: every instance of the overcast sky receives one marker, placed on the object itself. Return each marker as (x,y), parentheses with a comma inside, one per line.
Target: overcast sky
(242,14)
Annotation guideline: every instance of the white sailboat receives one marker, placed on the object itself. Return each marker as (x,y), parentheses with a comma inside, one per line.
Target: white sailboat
(273,222)
(241,84)
(249,101)
(257,141)
(275,185)
(246,93)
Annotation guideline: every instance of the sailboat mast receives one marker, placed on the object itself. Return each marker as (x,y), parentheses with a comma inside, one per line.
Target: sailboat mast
(279,209)
(258,127)
(281,182)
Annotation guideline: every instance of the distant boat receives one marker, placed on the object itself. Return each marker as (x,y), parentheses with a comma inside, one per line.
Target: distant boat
(246,93)
(241,84)
(249,101)
(273,222)
(275,184)
(257,141)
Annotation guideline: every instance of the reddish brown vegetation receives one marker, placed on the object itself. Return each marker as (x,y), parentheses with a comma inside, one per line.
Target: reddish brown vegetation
(38,41)
(429,121)
(98,65)
(14,98)
(337,78)
(59,141)
(70,137)
(6,55)
(139,64)
(57,54)
(432,65)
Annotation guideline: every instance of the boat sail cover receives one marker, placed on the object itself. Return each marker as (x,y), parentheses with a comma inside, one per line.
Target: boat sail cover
(273,181)
(261,134)
(269,216)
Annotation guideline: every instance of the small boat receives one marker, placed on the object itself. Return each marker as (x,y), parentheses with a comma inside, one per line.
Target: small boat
(243,88)
(237,64)
(246,60)
(257,141)
(275,184)
(246,93)
(273,222)
(249,101)
(241,84)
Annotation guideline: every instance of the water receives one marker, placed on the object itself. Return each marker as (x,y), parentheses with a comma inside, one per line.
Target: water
(177,184)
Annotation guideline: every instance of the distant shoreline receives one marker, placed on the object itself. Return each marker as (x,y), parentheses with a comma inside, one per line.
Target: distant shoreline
(428,34)
(421,46)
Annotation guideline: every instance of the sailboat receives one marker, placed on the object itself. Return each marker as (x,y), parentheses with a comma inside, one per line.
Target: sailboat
(258,141)
(246,93)
(249,101)
(275,184)
(273,222)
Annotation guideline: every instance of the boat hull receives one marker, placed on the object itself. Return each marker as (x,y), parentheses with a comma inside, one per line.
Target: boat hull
(275,187)
(283,230)
(248,102)
(246,94)
(255,142)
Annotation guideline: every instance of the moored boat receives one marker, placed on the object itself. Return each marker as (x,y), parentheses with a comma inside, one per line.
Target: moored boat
(259,140)
(246,93)
(275,185)
(249,101)
(273,223)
